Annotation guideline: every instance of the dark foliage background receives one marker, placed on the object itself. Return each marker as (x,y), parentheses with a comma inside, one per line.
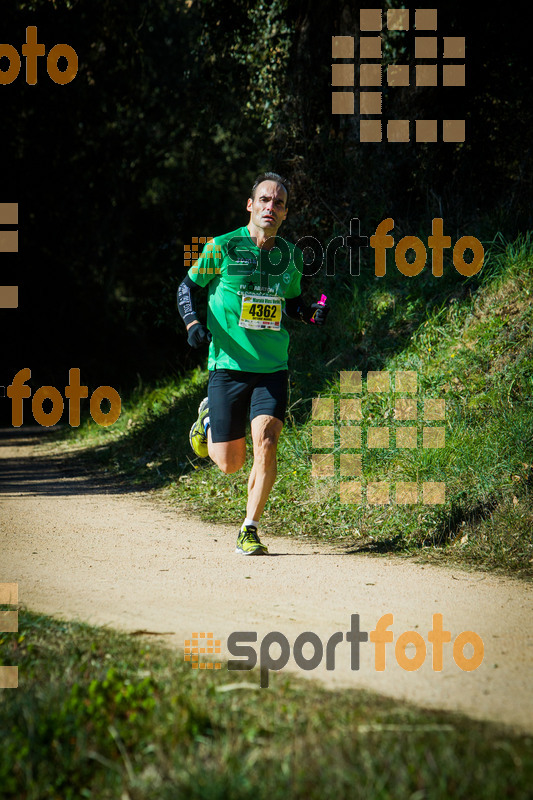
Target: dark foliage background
(175,107)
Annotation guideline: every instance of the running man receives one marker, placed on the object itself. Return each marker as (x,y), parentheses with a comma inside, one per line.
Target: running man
(249,286)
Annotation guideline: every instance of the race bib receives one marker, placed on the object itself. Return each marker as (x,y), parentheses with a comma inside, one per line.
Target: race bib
(260,313)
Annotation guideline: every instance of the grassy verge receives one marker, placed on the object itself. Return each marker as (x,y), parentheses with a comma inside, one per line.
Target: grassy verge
(101,715)
(471,345)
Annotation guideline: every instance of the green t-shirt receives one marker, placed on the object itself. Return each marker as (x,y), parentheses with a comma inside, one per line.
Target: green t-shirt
(247,288)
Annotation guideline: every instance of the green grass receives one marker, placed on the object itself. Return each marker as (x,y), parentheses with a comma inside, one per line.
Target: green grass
(103,715)
(471,343)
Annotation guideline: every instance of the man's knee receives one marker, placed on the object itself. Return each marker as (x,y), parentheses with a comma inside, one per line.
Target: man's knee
(268,443)
(231,464)
(266,439)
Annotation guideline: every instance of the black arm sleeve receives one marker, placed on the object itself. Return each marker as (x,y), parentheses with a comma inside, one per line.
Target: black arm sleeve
(296,308)
(186,304)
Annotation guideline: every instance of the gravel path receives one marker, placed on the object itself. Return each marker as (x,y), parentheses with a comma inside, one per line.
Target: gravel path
(79,547)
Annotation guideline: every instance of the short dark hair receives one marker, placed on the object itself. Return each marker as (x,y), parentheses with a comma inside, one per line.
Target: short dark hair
(270,176)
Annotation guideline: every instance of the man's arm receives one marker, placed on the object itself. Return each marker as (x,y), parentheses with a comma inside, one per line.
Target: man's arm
(186,304)
(295,306)
(198,333)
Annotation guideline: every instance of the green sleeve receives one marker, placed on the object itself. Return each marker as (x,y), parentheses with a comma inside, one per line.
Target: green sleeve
(204,270)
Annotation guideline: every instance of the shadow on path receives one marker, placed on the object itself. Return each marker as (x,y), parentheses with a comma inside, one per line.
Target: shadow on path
(52,474)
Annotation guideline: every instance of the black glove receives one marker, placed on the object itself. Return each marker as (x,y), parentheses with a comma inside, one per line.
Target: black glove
(198,335)
(320,313)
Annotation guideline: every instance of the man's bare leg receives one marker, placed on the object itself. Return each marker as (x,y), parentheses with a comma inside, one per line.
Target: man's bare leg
(265,435)
(228,456)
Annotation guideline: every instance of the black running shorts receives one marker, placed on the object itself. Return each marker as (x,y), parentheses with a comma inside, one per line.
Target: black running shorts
(231,392)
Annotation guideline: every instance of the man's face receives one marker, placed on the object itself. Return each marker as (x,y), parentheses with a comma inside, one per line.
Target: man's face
(268,209)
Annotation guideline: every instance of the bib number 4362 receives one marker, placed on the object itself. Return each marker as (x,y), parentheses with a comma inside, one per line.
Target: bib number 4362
(258,313)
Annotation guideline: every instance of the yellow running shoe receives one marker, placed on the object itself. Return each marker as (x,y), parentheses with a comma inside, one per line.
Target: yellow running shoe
(197,434)
(248,543)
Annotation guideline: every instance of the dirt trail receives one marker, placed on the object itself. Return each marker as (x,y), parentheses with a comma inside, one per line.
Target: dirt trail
(79,547)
